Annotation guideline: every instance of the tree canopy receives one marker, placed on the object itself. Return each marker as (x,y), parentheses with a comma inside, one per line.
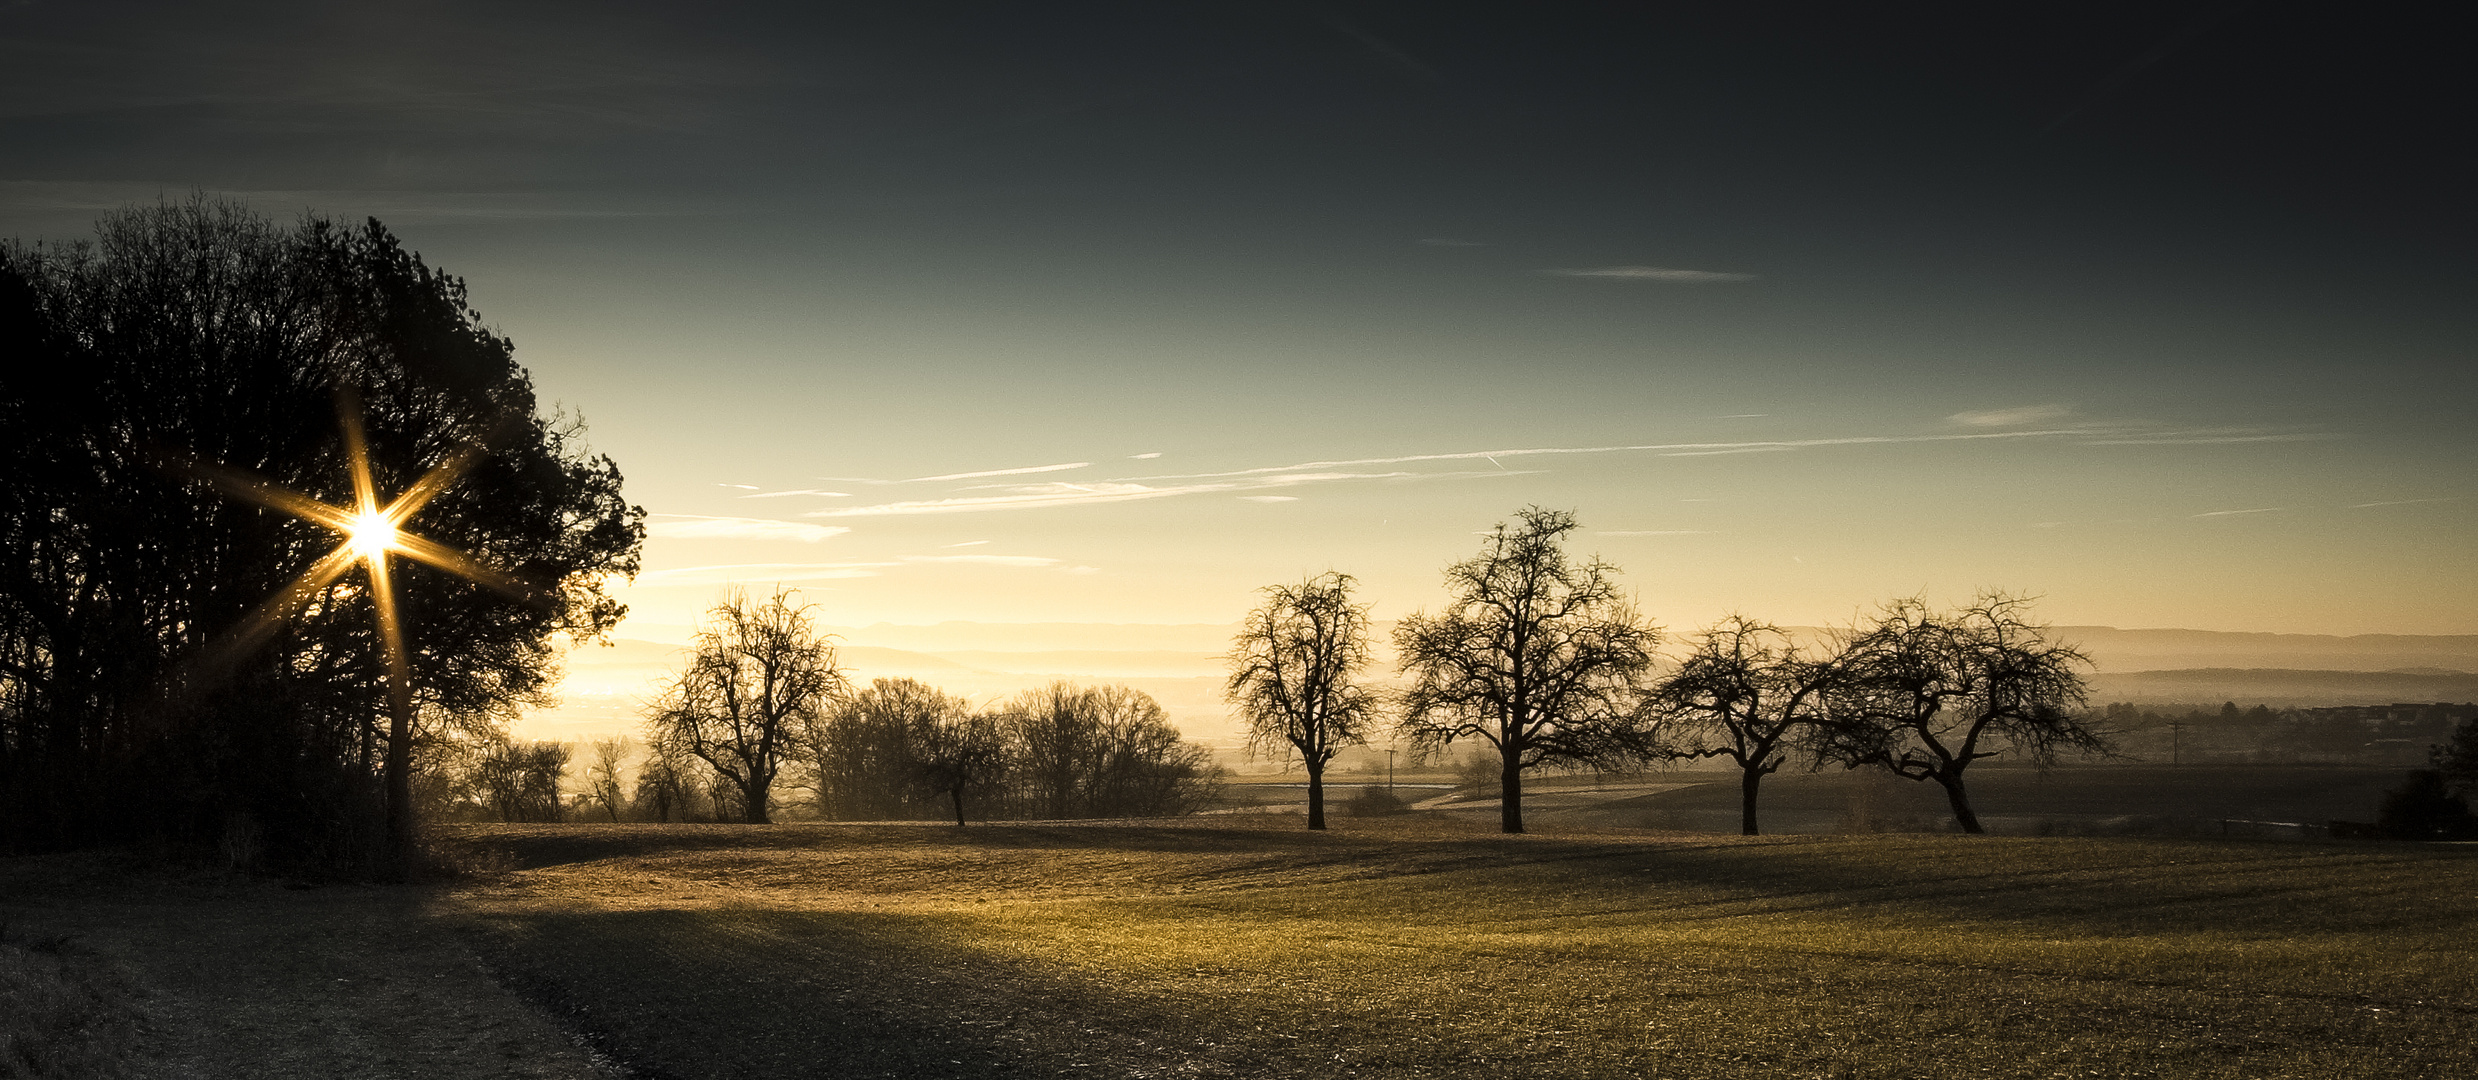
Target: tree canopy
(1295,676)
(1537,655)
(1924,694)
(167,666)
(1744,692)
(759,676)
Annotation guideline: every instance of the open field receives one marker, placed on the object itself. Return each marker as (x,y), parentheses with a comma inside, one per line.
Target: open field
(2190,800)
(1415,946)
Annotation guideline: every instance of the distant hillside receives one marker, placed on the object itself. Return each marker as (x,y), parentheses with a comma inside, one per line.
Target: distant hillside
(2115,650)
(1181,665)
(2281,686)
(947,637)
(2157,650)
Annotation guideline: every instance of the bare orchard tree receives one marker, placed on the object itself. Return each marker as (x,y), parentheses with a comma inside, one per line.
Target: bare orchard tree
(960,753)
(1745,693)
(1104,751)
(519,781)
(759,674)
(667,784)
(1295,676)
(1923,694)
(860,753)
(1540,657)
(602,778)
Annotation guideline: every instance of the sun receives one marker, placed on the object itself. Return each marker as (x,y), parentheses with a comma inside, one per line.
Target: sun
(370,534)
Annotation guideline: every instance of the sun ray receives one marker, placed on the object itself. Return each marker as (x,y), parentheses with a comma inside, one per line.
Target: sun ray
(457,562)
(252,489)
(275,610)
(432,483)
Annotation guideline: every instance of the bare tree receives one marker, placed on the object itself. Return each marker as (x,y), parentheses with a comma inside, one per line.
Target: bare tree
(1105,751)
(759,674)
(960,753)
(1924,694)
(602,778)
(667,784)
(1540,657)
(519,781)
(862,756)
(1295,676)
(1744,693)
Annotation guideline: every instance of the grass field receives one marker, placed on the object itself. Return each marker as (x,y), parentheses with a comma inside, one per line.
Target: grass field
(1426,947)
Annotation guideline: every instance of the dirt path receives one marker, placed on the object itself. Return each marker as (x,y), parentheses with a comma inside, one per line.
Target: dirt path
(246,978)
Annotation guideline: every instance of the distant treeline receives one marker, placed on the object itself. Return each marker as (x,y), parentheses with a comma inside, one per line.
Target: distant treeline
(2397,734)
(897,750)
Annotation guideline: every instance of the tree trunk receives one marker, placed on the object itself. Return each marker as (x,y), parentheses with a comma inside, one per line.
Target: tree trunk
(959,805)
(1510,795)
(1746,800)
(1960,799)
(399,778)
(754,796)
(1316,795)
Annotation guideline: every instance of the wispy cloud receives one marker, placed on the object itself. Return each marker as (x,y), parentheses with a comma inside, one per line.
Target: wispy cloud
(2013,417)
(2404,502)
(1043,496)
(999,472)
(695,527)
(1269,498)
(985,560)
(1649,273)
(1655,532)
(2234,513)
(1728,450)
(743,487)
(2211,437)
(965,543)
(816,492)
(1146,457)
(730,572)
(1263,484)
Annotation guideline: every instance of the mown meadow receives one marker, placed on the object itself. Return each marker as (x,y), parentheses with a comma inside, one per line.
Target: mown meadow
(1426,947)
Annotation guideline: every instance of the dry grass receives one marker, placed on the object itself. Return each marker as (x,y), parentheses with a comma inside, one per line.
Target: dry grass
(65,1012)
(1425,947)
(164,972)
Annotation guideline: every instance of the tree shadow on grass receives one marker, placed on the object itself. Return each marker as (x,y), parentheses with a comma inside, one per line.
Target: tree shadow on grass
(764,994)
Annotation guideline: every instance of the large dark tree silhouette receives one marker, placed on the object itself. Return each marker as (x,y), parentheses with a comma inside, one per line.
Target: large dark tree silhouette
(142,690)
(1535,654)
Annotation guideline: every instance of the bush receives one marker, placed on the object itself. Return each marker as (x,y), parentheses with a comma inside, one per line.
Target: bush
(1375,800)
(2424,808)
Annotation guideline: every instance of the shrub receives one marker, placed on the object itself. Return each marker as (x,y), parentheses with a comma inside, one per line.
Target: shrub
(2424,808)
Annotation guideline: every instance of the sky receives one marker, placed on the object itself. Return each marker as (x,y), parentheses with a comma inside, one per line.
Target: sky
(1115,313)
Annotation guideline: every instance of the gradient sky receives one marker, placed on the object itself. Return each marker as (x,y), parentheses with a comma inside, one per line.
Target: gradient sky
(1114,313)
